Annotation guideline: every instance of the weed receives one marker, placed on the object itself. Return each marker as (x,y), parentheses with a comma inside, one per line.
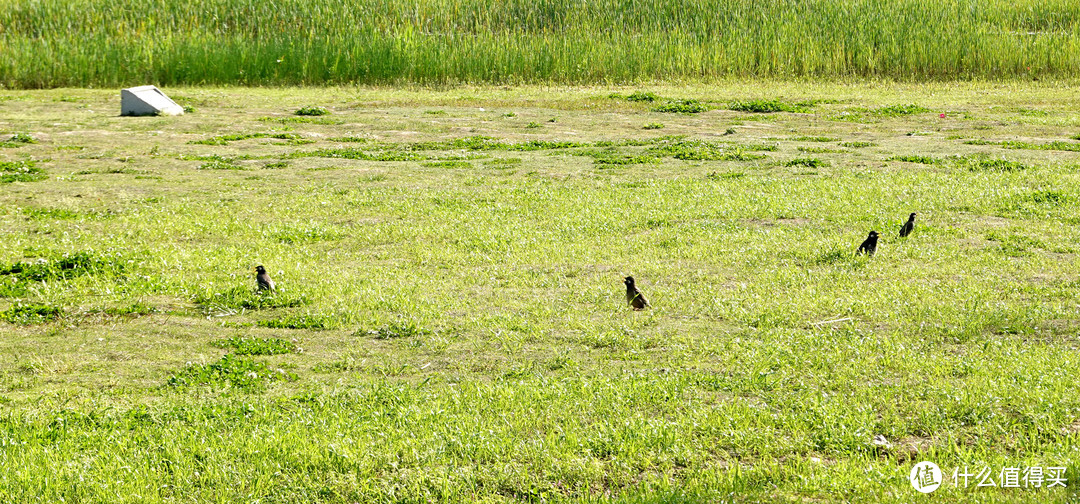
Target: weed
(29,314)
(50,213)
(240,298)
(533,145)
(532,125)
(818,150)
(899,110)
(225,139)
(1054,198)
(653,126)
(18,140)
(814,139)
(63,267)
(256,346)
(915,159)
(305,321)
(769,106)
(215,157)
(682,107)
(447,164)
(606,158)
(1014,245)
(642,96)
(133,310)
(20,171)
(834,256)
(503,163)
(312,111)
(1056,145)
(478,142)
(858,145)
(349,139)
(230,371)
(372,177)
(363,155)
(807,162)
(310,233)
(981,164)
(697,150)
(404,329)
(302,119)
(724,176)
(220,165)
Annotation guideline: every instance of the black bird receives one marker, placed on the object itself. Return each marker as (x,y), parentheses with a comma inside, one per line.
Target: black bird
(908,226)
(634,297)
(263,279)
(869,246)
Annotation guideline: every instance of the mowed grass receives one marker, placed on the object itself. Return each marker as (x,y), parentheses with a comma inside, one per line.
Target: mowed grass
(450,322)
(104,43)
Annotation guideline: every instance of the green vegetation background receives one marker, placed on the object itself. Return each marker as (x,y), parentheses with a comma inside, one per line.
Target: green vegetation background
(56,43)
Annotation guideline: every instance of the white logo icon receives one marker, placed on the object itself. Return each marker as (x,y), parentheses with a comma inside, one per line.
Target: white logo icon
(925,477)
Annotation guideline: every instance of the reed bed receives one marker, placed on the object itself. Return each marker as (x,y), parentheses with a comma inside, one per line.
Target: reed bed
(55,43)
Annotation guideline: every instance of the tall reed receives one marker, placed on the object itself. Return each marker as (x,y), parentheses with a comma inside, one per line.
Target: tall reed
(50,43)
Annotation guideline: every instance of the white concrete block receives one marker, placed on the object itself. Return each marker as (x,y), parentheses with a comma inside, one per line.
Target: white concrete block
(147,100)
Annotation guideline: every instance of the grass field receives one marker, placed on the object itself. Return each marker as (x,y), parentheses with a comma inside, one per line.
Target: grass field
(451,325)
(108,43)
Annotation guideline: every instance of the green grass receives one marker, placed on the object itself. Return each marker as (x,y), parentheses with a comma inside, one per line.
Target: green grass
(243,298)
(305,321)
(398,330)
(136,309)
(225,139)
(65,266)
(221,165)
(108,44)
(1056,145)
(807,162)
(899,110)
(684,106)
(20,171)
(462,335)
(911,158)
(246,375)
(256,346)
(769,106)
(18,140)
(312,111)
(30,314)
(814,139)
(642,96)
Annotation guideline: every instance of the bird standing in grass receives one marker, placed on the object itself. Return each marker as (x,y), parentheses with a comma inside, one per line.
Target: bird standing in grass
(634,297)
(869,246)
(263,279)
(908,226)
